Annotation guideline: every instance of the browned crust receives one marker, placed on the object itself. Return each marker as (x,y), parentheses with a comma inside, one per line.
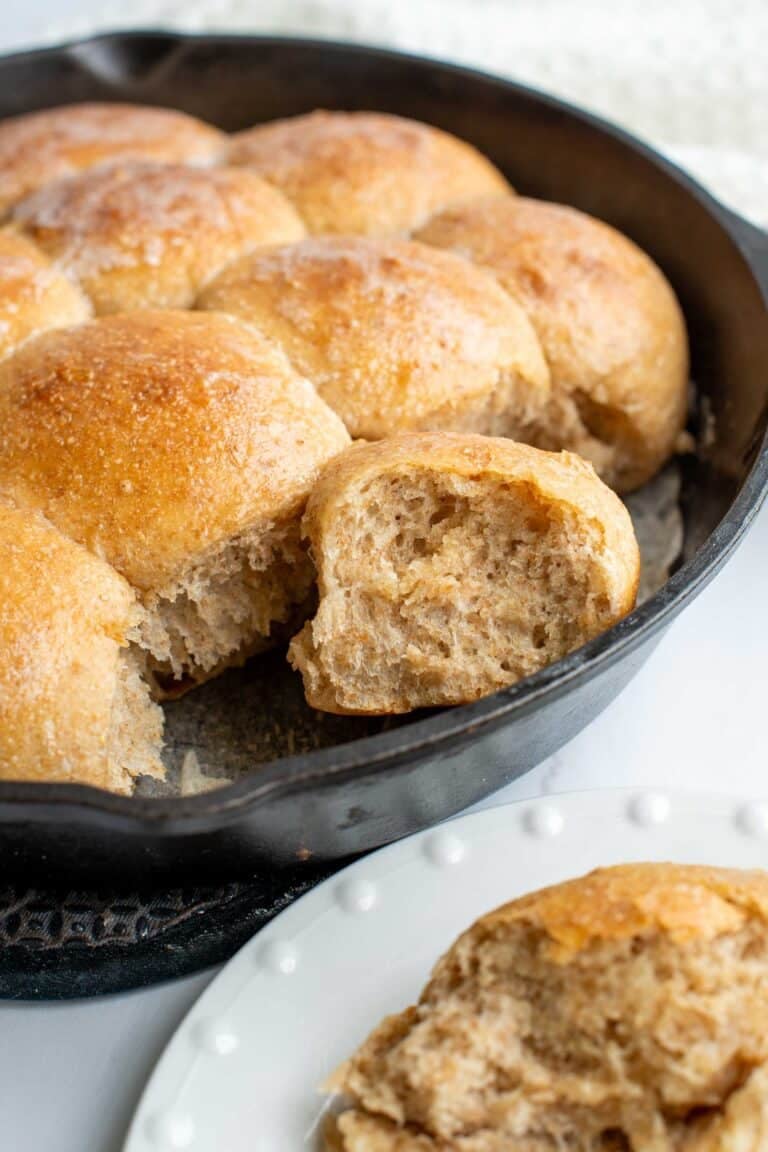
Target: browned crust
(43,146)
(365,172)
(395,335)
(34,295)
(682,901)
(609,323)
(152,437)
(138,235)
(64,615)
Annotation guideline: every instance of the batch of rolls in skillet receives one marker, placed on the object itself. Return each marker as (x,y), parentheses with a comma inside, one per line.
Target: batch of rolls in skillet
(327,382)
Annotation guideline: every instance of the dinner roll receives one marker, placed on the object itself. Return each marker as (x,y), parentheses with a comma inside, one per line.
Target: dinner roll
(56,142)
(608,321)
(33,294)
(450,566)
(394,335)
(626,1011)
(181,447)
(72,704)
(365,171)
(151,235)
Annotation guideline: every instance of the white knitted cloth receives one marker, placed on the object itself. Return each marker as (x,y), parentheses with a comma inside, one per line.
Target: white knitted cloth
(690,76)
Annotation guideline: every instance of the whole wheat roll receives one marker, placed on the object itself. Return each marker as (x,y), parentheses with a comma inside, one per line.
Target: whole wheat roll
(609,323)
(365,172)
(449,566)
(625,1010)
(39,147)
(181,447)
(395,335)
(34,294)
(137,235)
(72,706)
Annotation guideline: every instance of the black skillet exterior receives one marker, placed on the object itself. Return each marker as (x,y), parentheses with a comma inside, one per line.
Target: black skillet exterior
(339,801)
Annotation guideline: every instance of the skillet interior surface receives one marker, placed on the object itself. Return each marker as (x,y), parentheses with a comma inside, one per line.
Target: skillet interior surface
(325,787)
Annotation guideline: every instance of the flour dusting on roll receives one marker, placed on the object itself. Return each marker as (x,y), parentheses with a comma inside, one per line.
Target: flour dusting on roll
(365,172)
(39,147)
(152,235)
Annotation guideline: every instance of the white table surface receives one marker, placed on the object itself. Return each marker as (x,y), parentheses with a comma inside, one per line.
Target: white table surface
(71,1074)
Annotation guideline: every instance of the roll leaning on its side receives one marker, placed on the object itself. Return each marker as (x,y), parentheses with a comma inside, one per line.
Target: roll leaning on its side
(450,566)
(625,1011)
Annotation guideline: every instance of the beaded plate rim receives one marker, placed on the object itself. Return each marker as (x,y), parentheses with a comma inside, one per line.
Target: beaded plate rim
(246,1063)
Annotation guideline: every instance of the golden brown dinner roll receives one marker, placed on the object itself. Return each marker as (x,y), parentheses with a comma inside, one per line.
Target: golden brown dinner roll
(450,566)
(365,171)
(626,1011)
(608,321)
(56,142)
(394,335)
(151,235)
(72,704)
(34,295)
(181,447)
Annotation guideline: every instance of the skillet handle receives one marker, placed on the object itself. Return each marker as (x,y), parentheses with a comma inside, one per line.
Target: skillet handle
(754,243)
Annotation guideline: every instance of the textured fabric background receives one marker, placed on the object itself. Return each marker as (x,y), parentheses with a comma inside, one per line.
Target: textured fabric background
(691,76)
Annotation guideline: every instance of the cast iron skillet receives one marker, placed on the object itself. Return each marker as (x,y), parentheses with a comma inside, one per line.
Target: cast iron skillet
(360,792)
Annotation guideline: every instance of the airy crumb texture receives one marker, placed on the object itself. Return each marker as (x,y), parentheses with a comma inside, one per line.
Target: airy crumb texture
(451,566)
(182,448)
(365,172)
(609,323)
(43,146)
(34,295)
(136,727)
(626,1011)
(152,235)
(72,706)
(394,335)
(225,607)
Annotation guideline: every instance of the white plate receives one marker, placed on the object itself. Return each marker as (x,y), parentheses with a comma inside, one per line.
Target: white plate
(242,1072)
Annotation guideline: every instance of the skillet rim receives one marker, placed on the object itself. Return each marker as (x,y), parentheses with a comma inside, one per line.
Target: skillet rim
(177,816)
